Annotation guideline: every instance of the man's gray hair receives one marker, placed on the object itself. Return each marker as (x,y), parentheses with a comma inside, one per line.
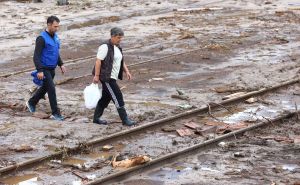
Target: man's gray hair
(116,31)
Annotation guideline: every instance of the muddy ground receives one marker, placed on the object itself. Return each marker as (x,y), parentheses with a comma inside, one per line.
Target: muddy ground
(242,46)
(265,156)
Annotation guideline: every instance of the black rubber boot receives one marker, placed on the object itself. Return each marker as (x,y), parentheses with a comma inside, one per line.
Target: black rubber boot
(100,121)
(123,115)
(98,113)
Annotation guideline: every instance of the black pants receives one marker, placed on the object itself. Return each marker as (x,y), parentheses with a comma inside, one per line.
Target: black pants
(47,87)
(110,91)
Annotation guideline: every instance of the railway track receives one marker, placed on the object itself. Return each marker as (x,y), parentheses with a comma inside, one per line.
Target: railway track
(134,134)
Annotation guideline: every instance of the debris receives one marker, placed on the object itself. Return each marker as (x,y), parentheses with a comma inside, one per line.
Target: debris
(197,9)
(216,47)
(62,2)
(294,8)
(234,95)
(184,132)
(181,97)
(223,144)
(41,115)
(281,40)
(123,87)
(229,128)
(191,125)
(185,106)
(296,93)
(55,161)
(279,139)
(174,142)
(186,35)
(22,148)
(297,140)
(127,163)
(290,167)
(207,130)
(180,92)
(297,183)
(156,79)
(238,154)
(168,128)
(215,123)
(79,175)
(224,89)
(60,136)
(107,147)
(251,100)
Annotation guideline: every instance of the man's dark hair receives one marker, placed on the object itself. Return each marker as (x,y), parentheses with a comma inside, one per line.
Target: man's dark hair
(116,32)
(52,18)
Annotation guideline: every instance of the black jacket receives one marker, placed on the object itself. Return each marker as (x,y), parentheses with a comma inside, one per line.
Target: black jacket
(107,63)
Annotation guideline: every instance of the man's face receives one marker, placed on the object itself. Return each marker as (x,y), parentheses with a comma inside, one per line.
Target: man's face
(52,28)
(116,39)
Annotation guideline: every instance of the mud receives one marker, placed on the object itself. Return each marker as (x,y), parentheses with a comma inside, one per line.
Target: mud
(249,159)
(245,45)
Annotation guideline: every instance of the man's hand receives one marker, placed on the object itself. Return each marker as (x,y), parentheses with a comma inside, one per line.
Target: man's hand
(63,69)
(40,75)
(129,77)
(96,79)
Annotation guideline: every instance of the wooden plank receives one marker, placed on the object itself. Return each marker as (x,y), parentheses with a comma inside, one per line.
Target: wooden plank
(184,132)
(191,125)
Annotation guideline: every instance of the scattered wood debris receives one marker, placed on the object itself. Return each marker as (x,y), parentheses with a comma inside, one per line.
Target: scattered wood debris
(231,127)
(215,123)
(251,100)
(82,177)
(127,163)
(216,47)
(181,97)
(234,95)
(191,125)
(206,130)
(156,79)
(184,132)
(279,139)
(22,148)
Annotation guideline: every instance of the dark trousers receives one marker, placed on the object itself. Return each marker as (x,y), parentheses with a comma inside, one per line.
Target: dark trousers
(110,91)
(47,87)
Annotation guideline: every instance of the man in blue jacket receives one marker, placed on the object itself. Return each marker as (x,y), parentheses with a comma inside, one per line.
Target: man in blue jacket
(46,58)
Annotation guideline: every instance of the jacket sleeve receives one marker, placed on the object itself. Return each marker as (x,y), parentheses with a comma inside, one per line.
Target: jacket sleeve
(39,46)
(60,62)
